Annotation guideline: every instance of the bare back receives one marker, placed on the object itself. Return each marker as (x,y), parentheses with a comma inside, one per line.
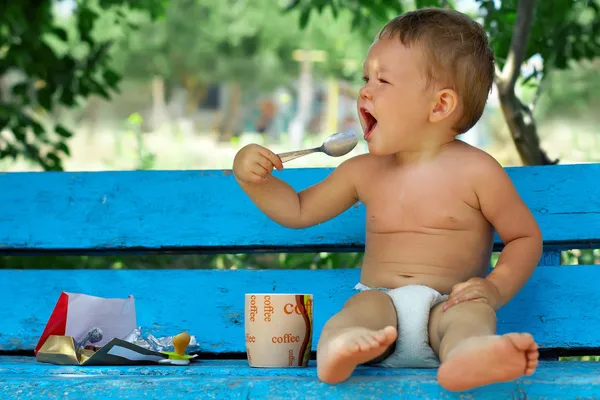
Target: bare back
(423,222)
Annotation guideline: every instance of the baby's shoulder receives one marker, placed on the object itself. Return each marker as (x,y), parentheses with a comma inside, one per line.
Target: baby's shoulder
(473,161)
(360,163)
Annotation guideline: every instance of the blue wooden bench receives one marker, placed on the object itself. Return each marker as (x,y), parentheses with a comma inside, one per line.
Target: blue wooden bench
(205,211)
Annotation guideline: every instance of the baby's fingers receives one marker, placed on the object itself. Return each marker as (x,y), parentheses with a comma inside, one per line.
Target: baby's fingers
(266,164)
(272,157)
(469,294)
(258,174)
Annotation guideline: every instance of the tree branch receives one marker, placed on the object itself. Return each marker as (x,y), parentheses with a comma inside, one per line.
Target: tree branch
(538,93)
(518,44)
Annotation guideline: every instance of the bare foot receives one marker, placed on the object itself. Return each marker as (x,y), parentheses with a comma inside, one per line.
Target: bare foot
(482,360)
(339,355)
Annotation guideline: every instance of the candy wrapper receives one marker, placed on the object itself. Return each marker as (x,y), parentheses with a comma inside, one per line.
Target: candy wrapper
(65,350)
(156,344)
(87,330)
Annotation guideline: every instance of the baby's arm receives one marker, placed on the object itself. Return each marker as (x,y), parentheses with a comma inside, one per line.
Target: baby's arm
(279,201)
(516,226)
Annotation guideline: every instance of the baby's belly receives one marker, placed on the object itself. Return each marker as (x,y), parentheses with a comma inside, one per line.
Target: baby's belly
(438,259)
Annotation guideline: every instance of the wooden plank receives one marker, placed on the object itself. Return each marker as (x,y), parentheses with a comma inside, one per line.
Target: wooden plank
(23,378)
(206,210)
(558,305)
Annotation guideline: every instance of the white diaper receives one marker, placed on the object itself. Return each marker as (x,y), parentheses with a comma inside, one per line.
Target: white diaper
(413,304)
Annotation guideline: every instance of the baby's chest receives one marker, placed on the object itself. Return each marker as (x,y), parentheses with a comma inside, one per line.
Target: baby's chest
(411,207)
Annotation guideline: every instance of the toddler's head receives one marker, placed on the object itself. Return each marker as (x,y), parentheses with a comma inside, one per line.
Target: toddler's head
(428,71)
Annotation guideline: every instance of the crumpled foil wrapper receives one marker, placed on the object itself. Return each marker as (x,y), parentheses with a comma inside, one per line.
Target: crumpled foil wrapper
(156,344)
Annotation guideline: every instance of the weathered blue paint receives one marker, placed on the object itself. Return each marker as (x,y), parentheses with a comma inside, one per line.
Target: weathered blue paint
(206,210)
(559,305)
(24,379)
(190,209)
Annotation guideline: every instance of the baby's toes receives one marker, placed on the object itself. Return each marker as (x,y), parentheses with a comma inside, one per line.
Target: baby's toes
(366,343)
(352,347)
(380,337)
(373,341)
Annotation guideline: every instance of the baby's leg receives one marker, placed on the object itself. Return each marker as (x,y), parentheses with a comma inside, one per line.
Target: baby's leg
(363,330)
(472,354)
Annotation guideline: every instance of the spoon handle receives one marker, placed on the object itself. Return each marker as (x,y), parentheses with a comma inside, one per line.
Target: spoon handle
(295,154)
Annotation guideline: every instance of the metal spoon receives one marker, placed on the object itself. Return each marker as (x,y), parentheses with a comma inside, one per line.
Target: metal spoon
(335,145)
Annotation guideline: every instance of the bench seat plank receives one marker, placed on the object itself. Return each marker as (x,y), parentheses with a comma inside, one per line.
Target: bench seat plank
(225,379)
(558,305)
(206,210)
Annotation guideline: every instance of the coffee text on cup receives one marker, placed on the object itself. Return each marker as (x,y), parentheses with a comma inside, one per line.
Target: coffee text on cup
(287,338)
(268,309)
(253,308)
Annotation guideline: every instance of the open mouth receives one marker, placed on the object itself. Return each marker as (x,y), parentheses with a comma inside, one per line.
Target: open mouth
(370,122)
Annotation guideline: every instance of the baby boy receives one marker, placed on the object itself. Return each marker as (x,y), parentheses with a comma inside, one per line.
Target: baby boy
(425,298)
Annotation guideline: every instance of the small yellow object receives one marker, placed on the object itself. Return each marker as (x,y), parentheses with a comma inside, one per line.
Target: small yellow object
(181,342)
(178,357)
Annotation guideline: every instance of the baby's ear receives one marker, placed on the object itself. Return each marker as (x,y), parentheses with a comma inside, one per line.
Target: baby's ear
(445,103)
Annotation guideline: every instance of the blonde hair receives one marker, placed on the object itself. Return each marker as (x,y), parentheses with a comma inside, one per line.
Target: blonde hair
(457,52)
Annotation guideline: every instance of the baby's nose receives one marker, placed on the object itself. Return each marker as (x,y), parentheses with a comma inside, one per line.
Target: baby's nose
(365,92)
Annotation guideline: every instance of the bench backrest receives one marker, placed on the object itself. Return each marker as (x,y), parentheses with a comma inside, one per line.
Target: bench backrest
(205,211)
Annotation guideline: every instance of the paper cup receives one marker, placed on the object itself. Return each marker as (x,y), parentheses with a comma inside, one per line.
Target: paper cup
(278,329)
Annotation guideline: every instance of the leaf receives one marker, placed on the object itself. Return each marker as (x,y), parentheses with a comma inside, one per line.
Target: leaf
(44,98)
(94,87)
(85,23)
(67,97)
(20,89)
(99,52)
(32,152)
(19,133)
(62,146)
(9,151)
(380,12)
(335,11)
(55,162)
(60,33)
(294,4)
(62,131)
(111,77)
(38,129)
(304,17)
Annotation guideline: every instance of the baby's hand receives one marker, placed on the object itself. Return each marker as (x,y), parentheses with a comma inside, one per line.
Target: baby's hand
(475,289)
(253,163)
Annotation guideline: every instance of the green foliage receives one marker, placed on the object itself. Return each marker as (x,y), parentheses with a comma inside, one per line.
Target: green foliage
(47,66)
(367,15)
(323,260)
(573,93)
(562,30)
(190,261)
(249,43)
(580,257)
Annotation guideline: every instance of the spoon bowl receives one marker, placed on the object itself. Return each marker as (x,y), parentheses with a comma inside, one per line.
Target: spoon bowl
(336,145)
(339,144)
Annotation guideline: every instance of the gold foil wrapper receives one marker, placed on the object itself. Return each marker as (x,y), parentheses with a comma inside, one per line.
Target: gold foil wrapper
(61,350)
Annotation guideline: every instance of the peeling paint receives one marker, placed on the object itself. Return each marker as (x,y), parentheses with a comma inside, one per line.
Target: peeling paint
(227,379)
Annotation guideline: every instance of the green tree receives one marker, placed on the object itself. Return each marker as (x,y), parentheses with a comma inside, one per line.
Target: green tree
(559,32)
(246,44)
(42,67)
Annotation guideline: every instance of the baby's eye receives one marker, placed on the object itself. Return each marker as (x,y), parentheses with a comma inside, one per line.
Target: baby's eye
(383,80)
(365,79)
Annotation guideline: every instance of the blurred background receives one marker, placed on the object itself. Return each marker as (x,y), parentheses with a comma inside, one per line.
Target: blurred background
(120,85)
